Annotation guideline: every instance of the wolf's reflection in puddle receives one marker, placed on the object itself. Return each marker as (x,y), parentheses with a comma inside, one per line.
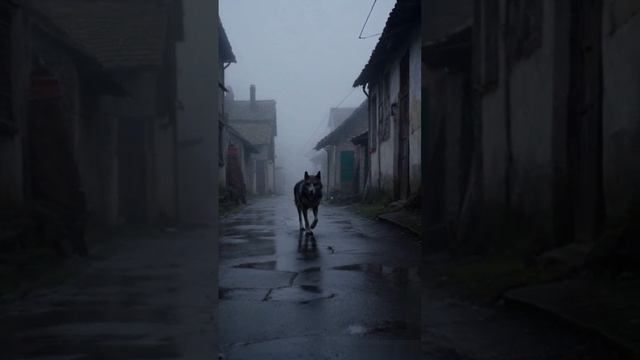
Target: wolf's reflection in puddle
(307,246)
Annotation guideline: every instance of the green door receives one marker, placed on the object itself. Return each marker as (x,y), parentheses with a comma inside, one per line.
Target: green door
(347,166)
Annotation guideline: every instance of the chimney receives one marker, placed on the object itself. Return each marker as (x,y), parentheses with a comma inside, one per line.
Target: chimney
(252,92)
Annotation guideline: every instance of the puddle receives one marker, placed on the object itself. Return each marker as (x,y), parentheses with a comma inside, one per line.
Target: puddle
(311,288)
(399,275)
(304,294)
(233,241)
(356,330)
(266,265)
(390,327)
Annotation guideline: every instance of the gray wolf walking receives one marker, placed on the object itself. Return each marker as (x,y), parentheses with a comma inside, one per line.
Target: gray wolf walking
(307,194)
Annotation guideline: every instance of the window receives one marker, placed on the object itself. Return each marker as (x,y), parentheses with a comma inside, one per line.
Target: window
(5,66)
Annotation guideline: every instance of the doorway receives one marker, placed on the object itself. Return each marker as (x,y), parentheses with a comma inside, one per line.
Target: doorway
(584,124)
(132,174)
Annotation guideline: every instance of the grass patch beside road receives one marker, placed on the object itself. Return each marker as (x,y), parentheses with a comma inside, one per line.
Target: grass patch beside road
(228,210)
(486,279)
(371,211)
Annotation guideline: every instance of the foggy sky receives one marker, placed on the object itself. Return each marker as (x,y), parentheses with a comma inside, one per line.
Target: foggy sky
(305,54)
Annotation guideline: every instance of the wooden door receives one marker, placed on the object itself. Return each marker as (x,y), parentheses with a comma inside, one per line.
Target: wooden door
(132,174)
(261,177)
(584,140)
(347,171)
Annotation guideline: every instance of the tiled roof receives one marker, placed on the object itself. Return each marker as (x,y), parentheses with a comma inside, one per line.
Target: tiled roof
(262,110)
(338,115)
(258,133)
(119,33)
(224,46)
(404,17)
(355,124)
(46,31)
(234,132)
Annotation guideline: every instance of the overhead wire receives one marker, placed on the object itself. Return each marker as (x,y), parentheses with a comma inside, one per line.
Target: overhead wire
(366,21)
(322,122)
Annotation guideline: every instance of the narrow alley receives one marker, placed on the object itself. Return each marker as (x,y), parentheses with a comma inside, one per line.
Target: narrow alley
(354,293)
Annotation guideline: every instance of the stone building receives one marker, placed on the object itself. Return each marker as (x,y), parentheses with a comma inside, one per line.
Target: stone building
(342,176)
(255,120)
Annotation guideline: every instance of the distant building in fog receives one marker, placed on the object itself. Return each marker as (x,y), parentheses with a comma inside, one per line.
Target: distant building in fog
(256,121)
(235,152)
(342,175)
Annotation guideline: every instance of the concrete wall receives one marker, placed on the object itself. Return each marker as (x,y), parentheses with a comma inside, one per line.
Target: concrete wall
(621,108)
(198,120)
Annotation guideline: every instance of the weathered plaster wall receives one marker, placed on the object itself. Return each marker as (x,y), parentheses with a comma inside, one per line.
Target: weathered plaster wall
(415,115)
(198,120)
(532,117)
(621,107)
(384,163)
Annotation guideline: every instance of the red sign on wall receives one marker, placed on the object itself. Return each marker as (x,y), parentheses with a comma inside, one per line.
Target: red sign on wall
(45,88)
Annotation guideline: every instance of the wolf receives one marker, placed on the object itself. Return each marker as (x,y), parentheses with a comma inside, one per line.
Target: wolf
(307,194)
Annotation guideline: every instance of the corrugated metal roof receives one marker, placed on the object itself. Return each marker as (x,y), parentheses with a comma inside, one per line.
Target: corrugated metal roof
(404,17)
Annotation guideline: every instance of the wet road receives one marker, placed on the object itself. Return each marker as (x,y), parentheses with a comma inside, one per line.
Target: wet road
(353,293)
(148,296)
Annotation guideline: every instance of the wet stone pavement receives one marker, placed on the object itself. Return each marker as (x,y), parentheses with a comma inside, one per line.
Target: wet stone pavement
(352,291)
(144,296)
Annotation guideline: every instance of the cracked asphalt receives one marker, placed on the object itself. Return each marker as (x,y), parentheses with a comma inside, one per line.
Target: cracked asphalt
(350,292)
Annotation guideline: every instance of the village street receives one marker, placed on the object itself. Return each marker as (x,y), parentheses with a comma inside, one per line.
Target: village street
(355,295)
